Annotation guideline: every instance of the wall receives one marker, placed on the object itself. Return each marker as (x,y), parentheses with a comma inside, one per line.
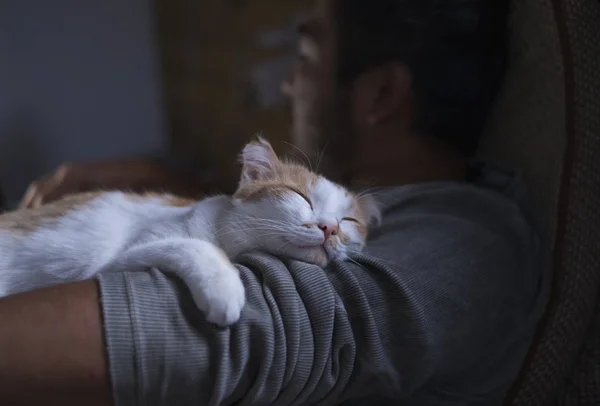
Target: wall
(223,61)
(78,80)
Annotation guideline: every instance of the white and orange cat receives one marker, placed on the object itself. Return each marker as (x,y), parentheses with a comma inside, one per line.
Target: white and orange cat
(280,207)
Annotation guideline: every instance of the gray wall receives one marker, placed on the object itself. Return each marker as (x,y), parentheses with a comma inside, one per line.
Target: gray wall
(79,79)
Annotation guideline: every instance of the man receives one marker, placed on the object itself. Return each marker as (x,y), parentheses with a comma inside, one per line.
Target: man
(440,311)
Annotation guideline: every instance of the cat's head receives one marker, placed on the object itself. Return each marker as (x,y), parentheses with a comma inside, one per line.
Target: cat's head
(286,209)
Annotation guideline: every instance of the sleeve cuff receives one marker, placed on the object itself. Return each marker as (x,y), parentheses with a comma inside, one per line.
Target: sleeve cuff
(118,307)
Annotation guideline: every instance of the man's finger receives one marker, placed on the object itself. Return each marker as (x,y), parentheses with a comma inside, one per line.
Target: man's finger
(29,196)
(39,191)
(38,200)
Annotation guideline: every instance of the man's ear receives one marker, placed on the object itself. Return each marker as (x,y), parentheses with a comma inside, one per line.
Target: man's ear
(259,161)
(381,91)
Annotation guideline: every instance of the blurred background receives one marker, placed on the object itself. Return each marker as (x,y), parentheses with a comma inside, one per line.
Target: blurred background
(96,79)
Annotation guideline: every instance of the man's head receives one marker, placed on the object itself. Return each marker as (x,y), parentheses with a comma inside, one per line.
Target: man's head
(398,72)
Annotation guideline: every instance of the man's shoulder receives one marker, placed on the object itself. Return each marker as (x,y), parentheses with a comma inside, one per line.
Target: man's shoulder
(427,215)
(473,244)
(472,261)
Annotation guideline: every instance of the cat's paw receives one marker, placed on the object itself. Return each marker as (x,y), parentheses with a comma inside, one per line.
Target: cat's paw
(225,298)
(219,293)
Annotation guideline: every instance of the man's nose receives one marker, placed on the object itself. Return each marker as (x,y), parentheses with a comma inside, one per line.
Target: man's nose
(287,86)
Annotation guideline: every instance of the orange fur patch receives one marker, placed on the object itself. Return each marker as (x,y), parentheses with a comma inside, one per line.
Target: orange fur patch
(361,215)
(176,201)
(28,220)
(287,176)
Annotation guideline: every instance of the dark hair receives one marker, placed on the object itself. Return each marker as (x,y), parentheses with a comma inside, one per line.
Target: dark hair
(455,50)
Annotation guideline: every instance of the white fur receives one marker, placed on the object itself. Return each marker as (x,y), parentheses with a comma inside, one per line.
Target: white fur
(115,233)
(281,225)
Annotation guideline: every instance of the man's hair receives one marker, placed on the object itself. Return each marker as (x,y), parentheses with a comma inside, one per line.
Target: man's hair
(454,49)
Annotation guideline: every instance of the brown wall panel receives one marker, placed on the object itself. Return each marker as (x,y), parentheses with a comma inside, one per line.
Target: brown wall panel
(210,49)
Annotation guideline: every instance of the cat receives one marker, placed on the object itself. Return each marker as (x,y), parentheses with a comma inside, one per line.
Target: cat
(279,207)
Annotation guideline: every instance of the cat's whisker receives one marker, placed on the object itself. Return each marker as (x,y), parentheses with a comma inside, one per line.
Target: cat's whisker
(254,222)
(370,191)
(252,227)
(204,223)
(321,157)
(255,218)
(285,246)
(274,233)
(357,264)
(239,241)
(392,264)
(303,153)
(252,230)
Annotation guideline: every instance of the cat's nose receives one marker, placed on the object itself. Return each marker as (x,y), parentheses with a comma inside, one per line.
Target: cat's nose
(328,229)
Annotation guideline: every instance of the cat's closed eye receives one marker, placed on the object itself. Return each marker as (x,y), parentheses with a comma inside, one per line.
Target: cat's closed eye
(353,220)
(302,195)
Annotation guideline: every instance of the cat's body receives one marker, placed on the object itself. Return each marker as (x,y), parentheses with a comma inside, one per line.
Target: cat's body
(116,231)
(280,208)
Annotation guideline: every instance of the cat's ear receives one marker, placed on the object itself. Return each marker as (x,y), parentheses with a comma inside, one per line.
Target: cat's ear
(259,161)
(371,209)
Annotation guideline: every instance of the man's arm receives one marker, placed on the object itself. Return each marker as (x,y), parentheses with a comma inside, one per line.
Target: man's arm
(294,344)
(450,321)
(51,348)
(307,336)
(134,174)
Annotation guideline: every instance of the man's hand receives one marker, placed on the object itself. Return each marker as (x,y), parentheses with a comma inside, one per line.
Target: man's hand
(52,350)
(67,179)
(134,174)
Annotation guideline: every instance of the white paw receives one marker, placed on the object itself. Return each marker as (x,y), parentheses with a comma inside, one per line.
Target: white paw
(223,297)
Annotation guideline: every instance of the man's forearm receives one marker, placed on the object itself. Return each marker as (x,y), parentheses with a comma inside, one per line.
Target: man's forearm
(142,175)
(52,349)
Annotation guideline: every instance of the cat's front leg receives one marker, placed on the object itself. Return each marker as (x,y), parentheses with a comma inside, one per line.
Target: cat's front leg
(214,282)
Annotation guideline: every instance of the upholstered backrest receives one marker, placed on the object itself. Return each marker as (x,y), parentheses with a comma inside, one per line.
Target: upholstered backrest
(527,130)
(547,125)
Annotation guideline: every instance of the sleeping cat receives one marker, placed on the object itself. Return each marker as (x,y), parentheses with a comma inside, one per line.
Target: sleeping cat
(279,207)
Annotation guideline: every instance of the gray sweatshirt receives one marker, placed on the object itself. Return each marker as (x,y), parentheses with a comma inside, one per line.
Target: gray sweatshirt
(440,310)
